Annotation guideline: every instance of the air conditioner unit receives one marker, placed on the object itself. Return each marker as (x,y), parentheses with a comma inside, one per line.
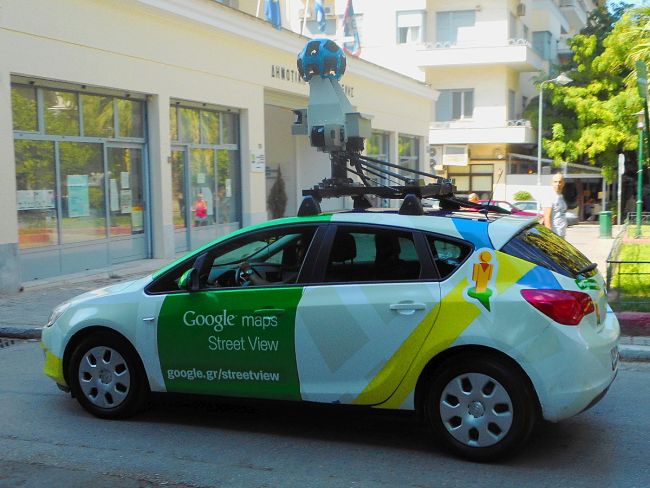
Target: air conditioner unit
(521,9)
(435,155)
(455,155)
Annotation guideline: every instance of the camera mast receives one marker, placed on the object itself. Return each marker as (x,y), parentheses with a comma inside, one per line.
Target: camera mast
(334,127)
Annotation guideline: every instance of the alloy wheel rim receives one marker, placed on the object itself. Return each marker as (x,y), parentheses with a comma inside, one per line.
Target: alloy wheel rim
(476,410)
(104,377)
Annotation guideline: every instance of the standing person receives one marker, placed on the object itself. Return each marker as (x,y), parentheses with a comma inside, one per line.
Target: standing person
(200,211)
(554,209)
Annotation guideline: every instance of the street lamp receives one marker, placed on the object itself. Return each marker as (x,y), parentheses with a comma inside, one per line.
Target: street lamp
(640,124)
(561,79)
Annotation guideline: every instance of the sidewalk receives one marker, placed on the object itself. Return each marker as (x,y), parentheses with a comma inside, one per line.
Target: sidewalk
(40,297)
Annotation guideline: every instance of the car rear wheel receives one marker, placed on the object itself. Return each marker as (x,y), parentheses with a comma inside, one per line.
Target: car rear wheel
(106,377)
(480,408)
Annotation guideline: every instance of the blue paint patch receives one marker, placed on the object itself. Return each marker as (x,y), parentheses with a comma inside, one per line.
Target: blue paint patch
(473,231)
(539,277)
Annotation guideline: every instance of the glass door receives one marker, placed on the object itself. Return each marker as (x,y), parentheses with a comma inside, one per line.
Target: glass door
(126,203)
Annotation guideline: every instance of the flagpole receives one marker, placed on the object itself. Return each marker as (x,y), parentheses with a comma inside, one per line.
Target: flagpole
(304,17)
(257,12)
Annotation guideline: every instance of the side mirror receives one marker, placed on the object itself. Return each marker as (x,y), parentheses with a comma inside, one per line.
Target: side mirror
(190,279)
(187,279)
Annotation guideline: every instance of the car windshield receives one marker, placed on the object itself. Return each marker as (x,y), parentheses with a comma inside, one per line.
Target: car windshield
(541,246)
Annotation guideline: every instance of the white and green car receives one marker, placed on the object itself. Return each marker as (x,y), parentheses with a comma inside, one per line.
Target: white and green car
(481,325)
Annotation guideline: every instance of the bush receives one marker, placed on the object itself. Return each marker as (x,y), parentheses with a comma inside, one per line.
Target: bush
(521,196)
(277,199)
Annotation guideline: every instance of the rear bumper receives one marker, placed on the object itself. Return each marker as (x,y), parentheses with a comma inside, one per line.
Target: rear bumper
(588,368)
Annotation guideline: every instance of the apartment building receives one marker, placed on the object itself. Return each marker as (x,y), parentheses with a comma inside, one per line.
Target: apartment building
(483,57)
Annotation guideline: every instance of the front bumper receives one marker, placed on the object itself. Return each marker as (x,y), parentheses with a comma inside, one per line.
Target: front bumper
(53,368)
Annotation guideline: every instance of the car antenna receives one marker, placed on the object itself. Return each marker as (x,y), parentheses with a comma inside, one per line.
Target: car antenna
(492,194)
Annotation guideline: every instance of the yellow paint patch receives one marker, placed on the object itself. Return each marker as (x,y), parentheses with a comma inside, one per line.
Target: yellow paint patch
(54,368)
(510,270)
(383,385)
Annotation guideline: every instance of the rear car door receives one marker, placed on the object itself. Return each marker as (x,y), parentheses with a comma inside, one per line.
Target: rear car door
(371,305)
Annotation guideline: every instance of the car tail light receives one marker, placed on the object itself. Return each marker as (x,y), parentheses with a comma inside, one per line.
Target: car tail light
(564,306)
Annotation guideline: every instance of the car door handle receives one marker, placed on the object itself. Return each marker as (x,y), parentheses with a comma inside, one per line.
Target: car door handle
(407,308)
(149,319)
(269,311)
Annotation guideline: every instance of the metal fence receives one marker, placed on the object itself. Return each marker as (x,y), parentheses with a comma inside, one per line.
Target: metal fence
(628,280)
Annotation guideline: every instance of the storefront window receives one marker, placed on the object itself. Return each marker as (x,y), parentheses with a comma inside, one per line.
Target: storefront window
(230,129)
(82,192)
(98,116)
(202,186)
(409,149)
(125,191)
(188,130)
(61,113)
(173,123)
(23,104)
(228,186)
(178,189)
(36,194)
(209,127)
(131,118)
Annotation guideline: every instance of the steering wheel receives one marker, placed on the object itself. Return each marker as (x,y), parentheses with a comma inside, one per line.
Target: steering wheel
(244,272)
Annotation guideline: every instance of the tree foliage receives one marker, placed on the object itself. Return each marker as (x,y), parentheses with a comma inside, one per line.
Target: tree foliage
(593,116)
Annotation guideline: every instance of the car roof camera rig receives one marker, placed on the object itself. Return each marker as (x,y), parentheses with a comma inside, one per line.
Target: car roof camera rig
(335,127)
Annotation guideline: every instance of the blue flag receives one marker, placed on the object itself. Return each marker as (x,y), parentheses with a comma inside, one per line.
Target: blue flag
(350,30)
(319,8)
(272,13)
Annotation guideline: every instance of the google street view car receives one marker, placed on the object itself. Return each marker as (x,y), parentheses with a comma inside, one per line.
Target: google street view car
(482,322)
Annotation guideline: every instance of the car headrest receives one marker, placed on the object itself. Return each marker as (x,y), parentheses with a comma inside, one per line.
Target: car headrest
(387,247)
(344,248)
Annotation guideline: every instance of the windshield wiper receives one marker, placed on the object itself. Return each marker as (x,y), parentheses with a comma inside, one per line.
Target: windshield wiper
(587,268)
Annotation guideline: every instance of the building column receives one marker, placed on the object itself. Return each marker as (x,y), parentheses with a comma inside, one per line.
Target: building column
(162,224)
(253,177)
(9,269)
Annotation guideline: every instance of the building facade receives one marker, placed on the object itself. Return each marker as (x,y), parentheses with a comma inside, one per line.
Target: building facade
(142,128)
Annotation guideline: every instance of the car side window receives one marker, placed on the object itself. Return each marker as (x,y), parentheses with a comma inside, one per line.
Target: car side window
(447,255)
(273,257)
(367,255)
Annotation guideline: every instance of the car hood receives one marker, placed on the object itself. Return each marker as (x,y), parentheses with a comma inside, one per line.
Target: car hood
(117,288)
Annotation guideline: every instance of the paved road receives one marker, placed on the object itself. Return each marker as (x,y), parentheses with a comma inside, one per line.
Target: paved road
(47,440)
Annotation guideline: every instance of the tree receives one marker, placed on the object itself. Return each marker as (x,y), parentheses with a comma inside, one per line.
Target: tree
(594,113)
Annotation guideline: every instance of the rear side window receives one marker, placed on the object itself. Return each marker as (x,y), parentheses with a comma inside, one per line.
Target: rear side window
(448,256)
(541,246)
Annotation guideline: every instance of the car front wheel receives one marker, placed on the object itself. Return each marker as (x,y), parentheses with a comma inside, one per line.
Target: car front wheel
(480,408)
(106,377)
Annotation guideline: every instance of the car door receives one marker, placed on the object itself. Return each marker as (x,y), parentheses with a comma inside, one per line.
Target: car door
(359,327)
(233,338)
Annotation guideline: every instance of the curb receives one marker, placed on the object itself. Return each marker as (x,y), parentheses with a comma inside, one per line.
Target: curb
(628,353)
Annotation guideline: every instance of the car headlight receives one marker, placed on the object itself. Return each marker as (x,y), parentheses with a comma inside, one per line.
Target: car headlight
(57,312)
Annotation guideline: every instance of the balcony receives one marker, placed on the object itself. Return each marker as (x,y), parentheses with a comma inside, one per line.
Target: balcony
(470,132)
(517,53)
(575,12)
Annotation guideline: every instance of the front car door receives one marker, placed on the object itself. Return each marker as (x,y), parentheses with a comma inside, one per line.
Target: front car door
(235,336)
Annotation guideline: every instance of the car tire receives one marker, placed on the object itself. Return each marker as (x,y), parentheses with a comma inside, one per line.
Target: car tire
(479,407)
(106,376)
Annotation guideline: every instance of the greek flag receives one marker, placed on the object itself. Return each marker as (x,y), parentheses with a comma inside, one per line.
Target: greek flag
(272,13)
(350,31)
(319,8)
